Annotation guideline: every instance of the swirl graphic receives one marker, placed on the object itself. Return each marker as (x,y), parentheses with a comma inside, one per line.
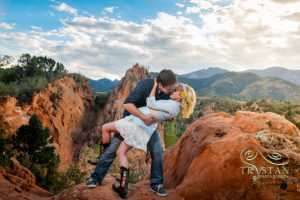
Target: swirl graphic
(275,157)
(264,136)
(248,154)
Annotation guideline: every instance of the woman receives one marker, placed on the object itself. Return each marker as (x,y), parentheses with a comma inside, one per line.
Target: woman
(137,134)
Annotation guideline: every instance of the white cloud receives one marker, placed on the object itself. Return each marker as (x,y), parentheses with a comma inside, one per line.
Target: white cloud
(109,9)
(63,7)
(193,10)
(6,26)
(180,5)
(241,35)
(37,28)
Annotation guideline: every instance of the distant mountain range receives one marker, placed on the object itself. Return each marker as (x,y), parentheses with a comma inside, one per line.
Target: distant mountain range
(279,72)
(283,73)
(244,86)
(271,83)
(204,73)
(103,85)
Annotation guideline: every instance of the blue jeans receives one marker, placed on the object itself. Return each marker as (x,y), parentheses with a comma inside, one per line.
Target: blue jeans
(156,151)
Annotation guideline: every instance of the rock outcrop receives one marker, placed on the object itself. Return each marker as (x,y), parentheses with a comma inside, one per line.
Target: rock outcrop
(114,108)
(65,107)
(113,111)
(13,190)
(18,182)
(213,158)
(12,116)
(104,192)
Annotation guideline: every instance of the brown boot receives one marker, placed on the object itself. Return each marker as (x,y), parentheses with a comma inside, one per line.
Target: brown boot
(122,189)
(103,148)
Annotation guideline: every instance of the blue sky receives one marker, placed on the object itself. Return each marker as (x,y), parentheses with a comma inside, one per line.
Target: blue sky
(27,13)
(103,38)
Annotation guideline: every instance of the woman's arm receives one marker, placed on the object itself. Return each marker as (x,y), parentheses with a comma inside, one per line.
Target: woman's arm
(153,91)
(169,107)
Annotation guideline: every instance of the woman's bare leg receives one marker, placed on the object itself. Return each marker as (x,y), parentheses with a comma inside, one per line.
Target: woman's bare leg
(121,153)
(106,130)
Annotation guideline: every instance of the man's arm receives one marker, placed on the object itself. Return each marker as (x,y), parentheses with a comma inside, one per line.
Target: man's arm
(134,97)
(147,119)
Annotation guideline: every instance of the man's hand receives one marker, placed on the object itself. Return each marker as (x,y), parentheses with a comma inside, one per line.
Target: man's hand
(148,119)
(170,120)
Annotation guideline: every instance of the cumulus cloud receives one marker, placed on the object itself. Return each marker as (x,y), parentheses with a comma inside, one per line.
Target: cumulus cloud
(38,28)
(241,35)
(63,7)
(6,26)
(180,5)
(109,9)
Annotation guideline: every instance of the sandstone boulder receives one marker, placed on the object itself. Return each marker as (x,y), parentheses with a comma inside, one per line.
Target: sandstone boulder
(213,158)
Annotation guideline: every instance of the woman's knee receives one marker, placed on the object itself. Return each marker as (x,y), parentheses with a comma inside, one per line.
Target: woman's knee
(105,127)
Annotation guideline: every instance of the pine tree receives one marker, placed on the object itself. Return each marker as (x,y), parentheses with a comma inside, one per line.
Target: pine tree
(32,143)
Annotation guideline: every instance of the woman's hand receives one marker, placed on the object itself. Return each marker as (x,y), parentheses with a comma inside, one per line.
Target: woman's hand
(155,83)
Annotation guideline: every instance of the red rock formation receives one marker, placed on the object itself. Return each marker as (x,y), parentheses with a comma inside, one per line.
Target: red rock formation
(14,191)
(18,182)
(114,110)
(65,107)
(22,172)
(206,163)
(104,192)
(12,116)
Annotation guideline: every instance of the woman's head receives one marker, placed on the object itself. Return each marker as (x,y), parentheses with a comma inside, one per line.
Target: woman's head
(187,96)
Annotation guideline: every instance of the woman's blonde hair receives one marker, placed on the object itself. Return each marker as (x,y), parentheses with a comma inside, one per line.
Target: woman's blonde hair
(189,99)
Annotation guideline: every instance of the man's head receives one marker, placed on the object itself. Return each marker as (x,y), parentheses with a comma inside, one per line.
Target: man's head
(166,80)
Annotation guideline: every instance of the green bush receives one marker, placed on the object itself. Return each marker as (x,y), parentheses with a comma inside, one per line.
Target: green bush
(5,151)
(60,181)
(31,143)
(101,99)
(30,75)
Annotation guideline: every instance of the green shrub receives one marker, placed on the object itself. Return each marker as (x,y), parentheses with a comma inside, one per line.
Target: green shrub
(30,75)
(31,142)
(60,181)
(5,151)
(101,99)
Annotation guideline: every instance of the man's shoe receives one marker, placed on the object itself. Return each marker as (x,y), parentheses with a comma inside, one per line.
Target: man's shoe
(159,190)
(91,183)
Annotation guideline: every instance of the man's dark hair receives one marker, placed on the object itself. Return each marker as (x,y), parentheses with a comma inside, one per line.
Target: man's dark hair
(166,77)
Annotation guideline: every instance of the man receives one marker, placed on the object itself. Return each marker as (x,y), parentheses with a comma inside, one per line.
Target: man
(137,98)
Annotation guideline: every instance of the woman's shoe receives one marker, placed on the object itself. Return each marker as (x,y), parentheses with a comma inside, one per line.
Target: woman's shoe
(103,148)
(122,189)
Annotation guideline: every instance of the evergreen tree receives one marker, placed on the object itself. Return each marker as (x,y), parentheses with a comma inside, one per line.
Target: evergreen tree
(32,143)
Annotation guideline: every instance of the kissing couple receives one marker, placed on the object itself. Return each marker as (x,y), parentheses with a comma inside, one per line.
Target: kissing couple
(151,101)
